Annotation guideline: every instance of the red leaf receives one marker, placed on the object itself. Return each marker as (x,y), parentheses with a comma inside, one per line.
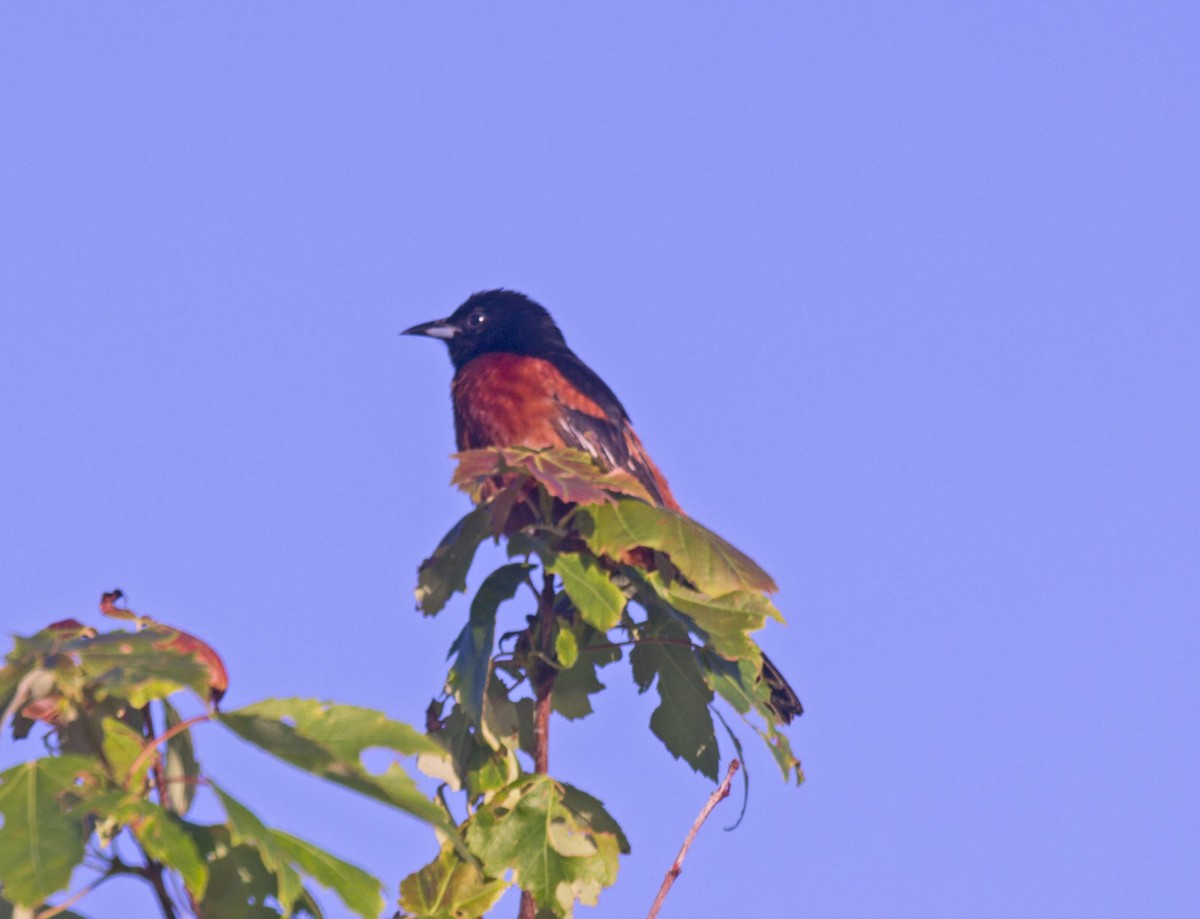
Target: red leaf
(180,641)
(66,629)
(569,475)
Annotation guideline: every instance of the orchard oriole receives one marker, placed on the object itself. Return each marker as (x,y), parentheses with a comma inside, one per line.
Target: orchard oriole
(516,383)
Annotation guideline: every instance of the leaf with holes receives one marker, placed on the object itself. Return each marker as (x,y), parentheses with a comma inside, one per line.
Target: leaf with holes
(328,739)
(559,853)
(245,829)
(240,886)
(138,666)
(781,750)
(42,839)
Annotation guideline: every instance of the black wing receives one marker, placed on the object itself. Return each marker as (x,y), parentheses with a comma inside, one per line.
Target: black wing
(607,438)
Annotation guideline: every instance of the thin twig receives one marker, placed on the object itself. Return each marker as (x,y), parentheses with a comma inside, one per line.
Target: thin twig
(714,799)
(73,899)
(152,747)
(113,867)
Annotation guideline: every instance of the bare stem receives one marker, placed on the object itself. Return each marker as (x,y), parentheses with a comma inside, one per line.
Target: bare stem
(544,674)
(721,793)
(528,908)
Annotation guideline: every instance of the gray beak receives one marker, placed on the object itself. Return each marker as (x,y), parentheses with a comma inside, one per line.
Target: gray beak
(439,328)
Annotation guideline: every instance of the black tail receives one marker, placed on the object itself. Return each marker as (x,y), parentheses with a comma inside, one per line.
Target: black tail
(784,701)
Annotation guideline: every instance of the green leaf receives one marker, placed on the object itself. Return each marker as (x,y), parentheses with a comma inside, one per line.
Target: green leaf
(479,763)
(575,684)
(122,745)
(327,740)
(482,757)
(710,563)
(164,836)
(240,886)
(180,767)
(522,544)
(246,829)
(781,750)
(591,811)
(285,856)
(725,620)
(502,717)
(682,720)
(445,572)
(165,839)
(41,841)
(555,852)
(450,888)
(343,730)
(361,892)
(737,682)
(566,648)
(473,647)
(740,684)
(598,600)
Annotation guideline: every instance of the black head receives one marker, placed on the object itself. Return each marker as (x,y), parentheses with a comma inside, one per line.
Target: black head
(495,321)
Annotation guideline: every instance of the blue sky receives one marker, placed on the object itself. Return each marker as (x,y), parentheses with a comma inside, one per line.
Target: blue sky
(904,299)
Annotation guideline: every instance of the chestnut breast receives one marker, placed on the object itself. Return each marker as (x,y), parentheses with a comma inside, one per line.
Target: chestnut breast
(509,400)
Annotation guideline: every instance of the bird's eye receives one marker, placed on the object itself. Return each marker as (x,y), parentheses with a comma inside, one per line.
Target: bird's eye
(478,319)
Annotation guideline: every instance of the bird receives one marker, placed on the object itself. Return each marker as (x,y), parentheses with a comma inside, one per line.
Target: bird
(517,384)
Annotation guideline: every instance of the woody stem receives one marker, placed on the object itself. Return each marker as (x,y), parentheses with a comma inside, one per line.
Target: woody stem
(543,676)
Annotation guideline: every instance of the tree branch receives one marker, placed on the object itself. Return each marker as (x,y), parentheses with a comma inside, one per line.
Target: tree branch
(721,793)
(543,676)
(153,872)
